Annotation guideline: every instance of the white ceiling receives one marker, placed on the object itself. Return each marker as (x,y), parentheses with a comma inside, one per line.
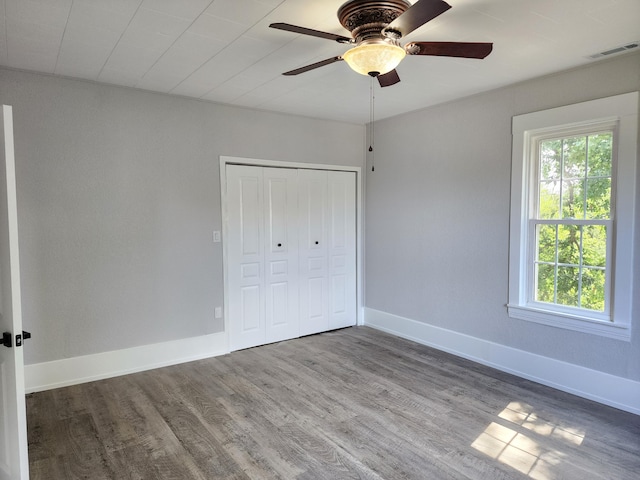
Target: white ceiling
(223,50)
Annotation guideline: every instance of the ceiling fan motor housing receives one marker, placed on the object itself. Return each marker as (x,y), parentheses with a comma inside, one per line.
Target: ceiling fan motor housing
(366,19)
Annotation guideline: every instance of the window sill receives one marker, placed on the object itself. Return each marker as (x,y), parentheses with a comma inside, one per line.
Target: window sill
(570,322)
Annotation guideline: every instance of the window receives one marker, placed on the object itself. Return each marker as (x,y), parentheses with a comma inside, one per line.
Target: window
(572,211)
(571,220)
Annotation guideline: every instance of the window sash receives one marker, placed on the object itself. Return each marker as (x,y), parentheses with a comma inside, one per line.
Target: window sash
(532,261)
(561,134)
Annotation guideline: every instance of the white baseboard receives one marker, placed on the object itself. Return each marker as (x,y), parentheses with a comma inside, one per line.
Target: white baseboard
(72,371)
(617,392)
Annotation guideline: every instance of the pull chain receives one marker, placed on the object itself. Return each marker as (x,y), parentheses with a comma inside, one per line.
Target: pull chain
(371,125)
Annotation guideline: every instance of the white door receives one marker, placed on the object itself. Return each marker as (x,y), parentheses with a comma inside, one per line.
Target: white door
(280,211)
(312,188)
(245,253)
(262,255)
(291,254)
(14,464)
(341,244)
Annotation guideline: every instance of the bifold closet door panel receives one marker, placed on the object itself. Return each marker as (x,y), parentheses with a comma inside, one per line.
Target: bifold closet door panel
(245,253)
(342,249)
(312,201)
(280,210)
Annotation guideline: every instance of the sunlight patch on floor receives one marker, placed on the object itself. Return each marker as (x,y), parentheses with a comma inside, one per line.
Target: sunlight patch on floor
(523,415)
(521,452)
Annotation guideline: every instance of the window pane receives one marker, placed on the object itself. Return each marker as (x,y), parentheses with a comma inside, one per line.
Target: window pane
(569,244)
(592,295)
(550,158)
(573,199)
(546,243)
(549,200)
(594,246)
(599,198)
(575,157)
(545,277)
(600,148)
(567,290)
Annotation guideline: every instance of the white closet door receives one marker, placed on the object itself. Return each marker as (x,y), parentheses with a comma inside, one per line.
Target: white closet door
(281,253)
(245,253)
(342,249)
(291,253)
(312,188)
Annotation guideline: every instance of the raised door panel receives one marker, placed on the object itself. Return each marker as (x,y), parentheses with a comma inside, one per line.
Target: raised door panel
(281,253)
(245,253)
(312,188)
(342,249)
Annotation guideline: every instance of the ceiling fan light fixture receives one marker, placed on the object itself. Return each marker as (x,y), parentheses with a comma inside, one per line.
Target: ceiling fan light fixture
(374,58)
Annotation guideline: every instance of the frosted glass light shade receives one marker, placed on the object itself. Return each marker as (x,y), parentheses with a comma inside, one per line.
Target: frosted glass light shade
(374,57)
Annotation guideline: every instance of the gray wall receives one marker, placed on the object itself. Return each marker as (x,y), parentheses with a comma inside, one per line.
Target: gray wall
(437,217)
(118,196)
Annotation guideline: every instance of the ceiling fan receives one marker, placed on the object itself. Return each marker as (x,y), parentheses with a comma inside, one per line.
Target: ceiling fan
(376,27)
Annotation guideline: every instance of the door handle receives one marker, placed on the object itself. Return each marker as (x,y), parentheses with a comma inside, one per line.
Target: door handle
(7,339)
(21,338)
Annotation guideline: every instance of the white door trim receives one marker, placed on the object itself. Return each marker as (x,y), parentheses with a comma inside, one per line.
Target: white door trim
(225,160)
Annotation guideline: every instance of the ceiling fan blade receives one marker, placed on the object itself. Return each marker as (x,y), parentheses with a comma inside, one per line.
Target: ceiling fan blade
(450,49)
(308,31)
(313,66)
(417,15)
(388,79)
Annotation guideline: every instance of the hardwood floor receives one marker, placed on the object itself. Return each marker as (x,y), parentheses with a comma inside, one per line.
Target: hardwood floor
(354,403)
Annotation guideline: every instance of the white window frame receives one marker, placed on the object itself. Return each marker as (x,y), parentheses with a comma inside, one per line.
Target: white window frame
(620,114)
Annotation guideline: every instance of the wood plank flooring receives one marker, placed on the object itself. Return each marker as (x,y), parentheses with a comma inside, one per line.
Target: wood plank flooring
(354,403)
